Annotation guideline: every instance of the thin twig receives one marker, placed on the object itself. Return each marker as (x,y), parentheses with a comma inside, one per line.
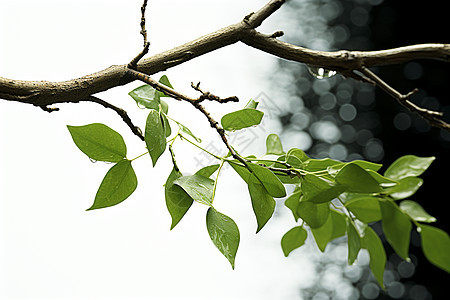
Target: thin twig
(212,97)
(195,102)
(433,117)
(175,94)
(133,63)
(122,113)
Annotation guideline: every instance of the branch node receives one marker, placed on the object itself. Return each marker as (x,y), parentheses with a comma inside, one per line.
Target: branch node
(49,109)
(276,34)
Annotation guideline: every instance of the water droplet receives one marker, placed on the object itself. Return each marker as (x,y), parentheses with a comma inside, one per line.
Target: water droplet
(321,73)
(139,130)
(92,160)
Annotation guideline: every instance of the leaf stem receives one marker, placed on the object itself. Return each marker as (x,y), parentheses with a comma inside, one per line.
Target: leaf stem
(139,156)
(217,179)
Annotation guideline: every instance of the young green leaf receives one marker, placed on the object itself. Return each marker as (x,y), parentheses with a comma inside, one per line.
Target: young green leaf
(178,201)
(436,246)
(164,80)
(416,212)
(366,208)
(314,165)
(292,203)
(146,97)
(251,104)
(319,191)
(396,227)
(354,242)
(166,125)
(382,181)
(262,202)
(366,165)
(357,180)
(293,239)
(200,188)
(377,254)
(271,182)
(297,153)
(273,145)
(339,224)
(188,132)
(99,142)
(323,234)
(224,233)
(315,215)
(240,119)
(117,185)
(405,188)
(208,170)
(408,165)
(155,135)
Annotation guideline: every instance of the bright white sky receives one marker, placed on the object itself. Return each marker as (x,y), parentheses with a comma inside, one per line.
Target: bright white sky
(50,247)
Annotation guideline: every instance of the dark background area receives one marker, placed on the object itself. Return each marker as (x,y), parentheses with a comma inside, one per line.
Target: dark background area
(401,23)
(379,120)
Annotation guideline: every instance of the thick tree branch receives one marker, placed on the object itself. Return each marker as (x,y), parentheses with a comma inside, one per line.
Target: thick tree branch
(44,93)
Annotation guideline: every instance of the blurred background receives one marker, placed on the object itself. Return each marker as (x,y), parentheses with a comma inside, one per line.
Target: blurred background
(51,248)
(347,120)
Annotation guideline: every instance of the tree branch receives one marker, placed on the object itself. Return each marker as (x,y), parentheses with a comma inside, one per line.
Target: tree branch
(44,93)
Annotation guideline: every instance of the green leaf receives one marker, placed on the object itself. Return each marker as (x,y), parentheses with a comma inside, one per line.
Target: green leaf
(242,171)
(200,188)
(377,254)
(188,132)
(357,180)
(99,142)
(292,203)
(319,191)
(297,153)
(408,165)
(405,188)
(354,242)
(166,125)
(383,181)
(240,119)
(224,233)
(155,135)
(262,203)
(339,224)
(251,104)
(396,227)
(366,208)
(314,165)
(293,239)
(315,215)
(436,246)
(208,170)
(366,165)
(416,212)
(271,182)
(146,97)
(273,145)
(164,106)
(117,185)
(164,80)
(178,201)
(323,234)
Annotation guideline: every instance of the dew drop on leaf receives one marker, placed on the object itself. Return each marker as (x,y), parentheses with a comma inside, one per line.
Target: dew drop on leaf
(321,73)
(92,160)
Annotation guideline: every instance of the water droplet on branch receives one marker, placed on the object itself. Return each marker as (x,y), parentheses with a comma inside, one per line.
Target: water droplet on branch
(321,73)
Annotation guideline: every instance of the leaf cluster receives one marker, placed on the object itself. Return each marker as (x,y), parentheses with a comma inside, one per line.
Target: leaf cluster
(330,198)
